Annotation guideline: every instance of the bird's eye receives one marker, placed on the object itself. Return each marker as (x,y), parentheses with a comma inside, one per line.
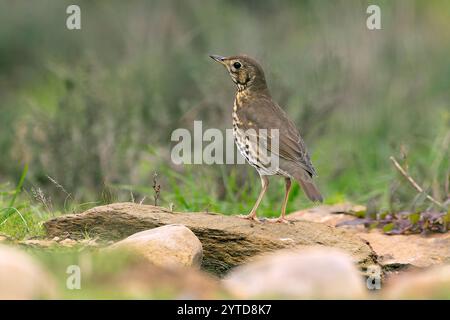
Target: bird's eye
(237,65)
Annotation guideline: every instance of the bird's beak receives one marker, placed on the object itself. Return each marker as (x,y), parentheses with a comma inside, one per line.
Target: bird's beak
(217,58)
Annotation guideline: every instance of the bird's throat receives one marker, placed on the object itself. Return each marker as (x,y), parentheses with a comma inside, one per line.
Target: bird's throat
(242,98)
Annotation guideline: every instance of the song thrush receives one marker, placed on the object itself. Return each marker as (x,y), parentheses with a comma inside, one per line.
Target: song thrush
(255,118)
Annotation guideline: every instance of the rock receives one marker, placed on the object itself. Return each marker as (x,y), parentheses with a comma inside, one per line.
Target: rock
(401,251)
(65,243)
(68,242)
(37,243)
(4,238)
(330,214)
(21,277)
(89,243)
(168,246)
(395,252)
(313,273)
(432,283)
(228,241)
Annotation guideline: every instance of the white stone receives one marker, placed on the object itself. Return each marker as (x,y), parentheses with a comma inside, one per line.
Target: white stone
(313,273)
(21,277)
(168,246)
(431,283)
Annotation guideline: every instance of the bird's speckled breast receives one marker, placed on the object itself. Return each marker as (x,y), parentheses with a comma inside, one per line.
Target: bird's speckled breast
(245,145)
(239,136)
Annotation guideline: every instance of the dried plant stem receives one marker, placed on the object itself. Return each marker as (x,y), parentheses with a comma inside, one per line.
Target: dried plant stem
(156,188)
(60,187)
(414,183)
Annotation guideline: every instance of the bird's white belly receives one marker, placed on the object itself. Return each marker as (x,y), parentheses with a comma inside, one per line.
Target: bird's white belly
(250,152)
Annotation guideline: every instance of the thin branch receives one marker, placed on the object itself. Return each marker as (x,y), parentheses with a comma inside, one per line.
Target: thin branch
(414,183)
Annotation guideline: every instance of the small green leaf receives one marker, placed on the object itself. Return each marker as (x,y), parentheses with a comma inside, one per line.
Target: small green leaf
(360,214)
(414,218)
(384,214)
(373,225)
(388,227)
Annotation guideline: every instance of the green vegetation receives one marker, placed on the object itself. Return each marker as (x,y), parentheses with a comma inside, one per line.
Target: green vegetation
(90,112)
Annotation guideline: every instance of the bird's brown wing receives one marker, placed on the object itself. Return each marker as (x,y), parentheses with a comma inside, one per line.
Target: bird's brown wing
(263,113)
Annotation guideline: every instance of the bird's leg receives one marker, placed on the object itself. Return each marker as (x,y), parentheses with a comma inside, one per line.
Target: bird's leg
(282,218)
(264,185)
(286,198)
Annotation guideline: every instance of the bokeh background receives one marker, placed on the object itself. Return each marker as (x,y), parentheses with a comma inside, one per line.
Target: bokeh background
(94,109)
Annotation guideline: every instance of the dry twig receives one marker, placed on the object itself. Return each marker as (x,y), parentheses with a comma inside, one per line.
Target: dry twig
(414,183)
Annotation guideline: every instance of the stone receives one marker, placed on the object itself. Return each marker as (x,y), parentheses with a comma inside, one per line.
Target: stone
(168,246)
(68,242)
(328,214)
(22,277)
(228,241)
(37,243)
(432,283)
(394,252)
(49,244)
(313,273)
(4,237)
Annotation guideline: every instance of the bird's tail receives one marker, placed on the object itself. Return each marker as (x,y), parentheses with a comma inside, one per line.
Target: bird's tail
(305,179)
(311,190)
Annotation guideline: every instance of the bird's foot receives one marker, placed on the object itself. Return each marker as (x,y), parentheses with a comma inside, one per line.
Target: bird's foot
(250,216)
(278,220)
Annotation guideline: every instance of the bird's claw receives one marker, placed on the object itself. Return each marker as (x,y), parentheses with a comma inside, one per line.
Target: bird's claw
(278,220)
(250,216)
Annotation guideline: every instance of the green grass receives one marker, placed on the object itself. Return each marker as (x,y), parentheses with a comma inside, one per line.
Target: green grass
(19,218)
(230,190)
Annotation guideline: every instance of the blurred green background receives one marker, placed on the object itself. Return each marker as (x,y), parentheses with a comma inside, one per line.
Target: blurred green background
(94,108)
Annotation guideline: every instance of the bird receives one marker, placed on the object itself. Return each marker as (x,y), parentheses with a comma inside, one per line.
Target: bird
(261,126)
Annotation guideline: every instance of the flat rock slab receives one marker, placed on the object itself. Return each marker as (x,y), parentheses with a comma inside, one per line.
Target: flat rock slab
(402,251)
(394,252)
(228,241)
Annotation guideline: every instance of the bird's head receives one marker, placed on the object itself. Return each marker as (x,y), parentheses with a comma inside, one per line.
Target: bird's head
(245,72)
